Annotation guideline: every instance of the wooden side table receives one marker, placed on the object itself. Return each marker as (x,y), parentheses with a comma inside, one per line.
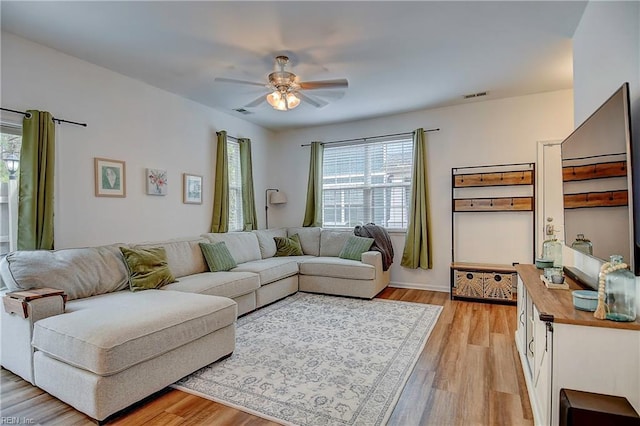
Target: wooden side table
(15,302)
(587,408)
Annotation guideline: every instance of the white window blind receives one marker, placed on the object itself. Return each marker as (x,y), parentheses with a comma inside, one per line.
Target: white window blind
(236,220)
(367,182)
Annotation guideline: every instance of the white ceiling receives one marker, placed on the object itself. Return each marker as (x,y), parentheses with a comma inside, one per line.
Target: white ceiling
(397,56)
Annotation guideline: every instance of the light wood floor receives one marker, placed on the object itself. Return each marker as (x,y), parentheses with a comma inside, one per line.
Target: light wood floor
(468,374)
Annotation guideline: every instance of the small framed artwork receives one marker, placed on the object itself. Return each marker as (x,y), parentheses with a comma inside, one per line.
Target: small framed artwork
(110,178)
(191,189)
(156,182)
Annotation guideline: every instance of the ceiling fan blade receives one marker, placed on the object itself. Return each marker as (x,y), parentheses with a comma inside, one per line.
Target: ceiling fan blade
(324,84)
(234,81)
(318,103)
(256,102)
(329,95)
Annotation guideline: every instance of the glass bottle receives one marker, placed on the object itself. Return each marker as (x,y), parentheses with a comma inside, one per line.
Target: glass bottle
(552,250)
(582,244)
(620,291)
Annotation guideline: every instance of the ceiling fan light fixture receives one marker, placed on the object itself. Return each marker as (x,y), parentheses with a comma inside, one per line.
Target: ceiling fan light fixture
(286,89)
(292,100)
(281,105)
(274,98)
(283,101)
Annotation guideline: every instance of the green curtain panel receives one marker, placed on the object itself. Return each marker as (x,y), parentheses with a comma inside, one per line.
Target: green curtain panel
(417,246)
(248,198)
(220,220)
(35,193)
(313,211)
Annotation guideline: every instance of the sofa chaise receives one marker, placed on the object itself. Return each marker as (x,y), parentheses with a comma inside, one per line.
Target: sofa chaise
(109,347)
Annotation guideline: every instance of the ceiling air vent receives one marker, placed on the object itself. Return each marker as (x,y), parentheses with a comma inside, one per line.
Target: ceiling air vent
(475,95)
(242,111)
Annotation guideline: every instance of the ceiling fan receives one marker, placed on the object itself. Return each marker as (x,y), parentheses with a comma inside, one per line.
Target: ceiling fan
(286,89)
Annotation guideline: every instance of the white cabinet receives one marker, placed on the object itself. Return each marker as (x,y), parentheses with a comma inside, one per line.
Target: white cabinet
(561,347)
(542,350)
(534,342)
(522,317)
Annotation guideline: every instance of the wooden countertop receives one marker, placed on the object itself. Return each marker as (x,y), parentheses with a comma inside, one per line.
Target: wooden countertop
(557,305)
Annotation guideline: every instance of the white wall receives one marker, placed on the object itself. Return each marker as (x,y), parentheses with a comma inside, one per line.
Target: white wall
(606,53)
(489,132)
(127,120)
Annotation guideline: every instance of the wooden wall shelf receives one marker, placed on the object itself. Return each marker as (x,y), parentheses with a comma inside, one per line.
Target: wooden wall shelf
(500,204)
(471,180)
(480,281)
(596,199)
(594,171)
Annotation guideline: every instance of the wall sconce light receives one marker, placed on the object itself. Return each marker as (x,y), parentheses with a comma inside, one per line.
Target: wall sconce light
(275,197)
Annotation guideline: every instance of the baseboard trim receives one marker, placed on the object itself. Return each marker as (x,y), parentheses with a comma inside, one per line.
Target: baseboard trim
(415,286)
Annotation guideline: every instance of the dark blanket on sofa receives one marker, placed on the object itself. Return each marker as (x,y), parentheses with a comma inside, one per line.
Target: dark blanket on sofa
(381,241)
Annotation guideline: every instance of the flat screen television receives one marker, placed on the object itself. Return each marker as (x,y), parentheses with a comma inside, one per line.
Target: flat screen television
(598,189)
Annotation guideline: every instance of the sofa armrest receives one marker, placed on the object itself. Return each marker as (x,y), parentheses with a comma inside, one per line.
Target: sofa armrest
(373,258)
(16,353)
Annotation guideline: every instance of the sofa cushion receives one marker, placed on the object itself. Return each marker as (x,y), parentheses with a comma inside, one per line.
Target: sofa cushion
(288,246)
(337,268)
(218,256)
(331,242)
(80,272)
(355,246)
(226,284)
(243,246)
(106,337)
(270,270)
(147,267)
(183,255)
(309,239)
(266,242)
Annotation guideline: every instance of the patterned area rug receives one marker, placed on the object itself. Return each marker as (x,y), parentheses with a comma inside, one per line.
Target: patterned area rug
(319,360)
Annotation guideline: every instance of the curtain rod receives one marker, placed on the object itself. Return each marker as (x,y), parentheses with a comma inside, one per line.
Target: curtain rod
(372,137)
(59,120)
(228,135)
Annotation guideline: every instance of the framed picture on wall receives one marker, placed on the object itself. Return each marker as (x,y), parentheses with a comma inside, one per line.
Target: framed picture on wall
(110,178)
(157,182)
(192,189)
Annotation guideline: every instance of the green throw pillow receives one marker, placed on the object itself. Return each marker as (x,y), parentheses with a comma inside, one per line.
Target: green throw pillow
(354,247)
(148,268)
(288,246)
(218,256)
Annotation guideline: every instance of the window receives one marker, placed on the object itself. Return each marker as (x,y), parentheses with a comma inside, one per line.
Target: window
(367,182)
(10,143)
(236,219)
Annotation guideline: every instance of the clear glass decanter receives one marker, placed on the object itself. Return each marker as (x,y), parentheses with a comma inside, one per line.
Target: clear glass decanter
(620,293)
(552,250)
(582,244)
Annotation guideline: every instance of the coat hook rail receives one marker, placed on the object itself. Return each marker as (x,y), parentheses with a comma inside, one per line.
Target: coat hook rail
(57,120)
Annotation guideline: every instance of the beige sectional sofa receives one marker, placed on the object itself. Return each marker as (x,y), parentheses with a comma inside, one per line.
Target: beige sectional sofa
(110,347)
